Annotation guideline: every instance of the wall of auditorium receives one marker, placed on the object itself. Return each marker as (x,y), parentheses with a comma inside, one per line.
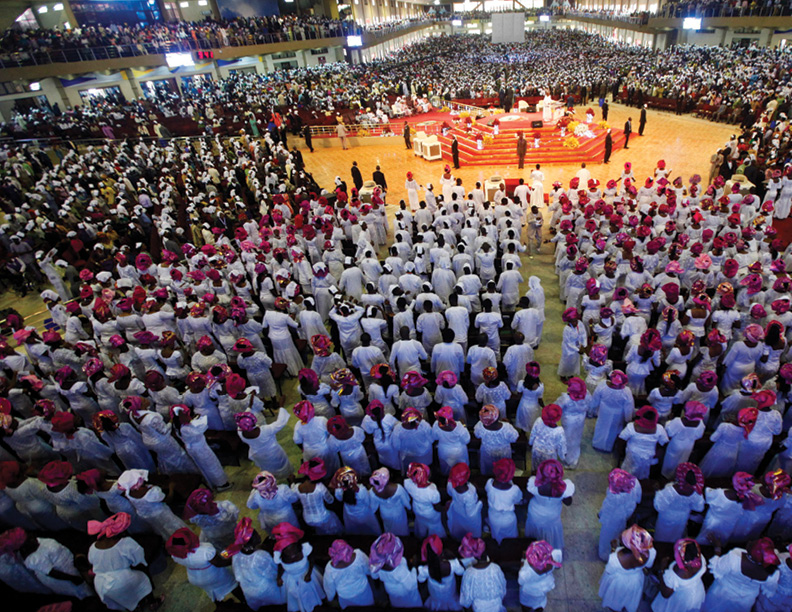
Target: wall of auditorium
(52,18)
(193,10)
(49,88)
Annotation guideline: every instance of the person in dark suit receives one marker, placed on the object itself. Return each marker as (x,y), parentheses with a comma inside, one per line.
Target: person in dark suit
(605,109)
(508,101)
(307,136)
(406,134)
(357,177)
(298,159)
(455,152)
(627,132)
(608,147)
(522,149)
(379,179)
(642,121)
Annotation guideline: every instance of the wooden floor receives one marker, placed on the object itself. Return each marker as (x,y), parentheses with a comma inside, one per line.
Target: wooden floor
(684,142)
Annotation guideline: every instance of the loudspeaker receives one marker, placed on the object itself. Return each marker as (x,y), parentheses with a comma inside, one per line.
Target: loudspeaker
(531,108)
(537,124)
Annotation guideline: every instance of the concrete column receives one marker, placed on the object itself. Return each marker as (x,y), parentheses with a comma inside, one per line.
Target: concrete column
(765,36)
(133,83)
(216,9)
(67,9)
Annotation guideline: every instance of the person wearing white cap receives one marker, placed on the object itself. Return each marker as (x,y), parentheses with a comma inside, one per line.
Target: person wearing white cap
(52,274)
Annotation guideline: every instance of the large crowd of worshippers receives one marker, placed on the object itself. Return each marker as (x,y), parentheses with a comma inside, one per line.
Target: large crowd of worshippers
(736,82)
(207,34)
(189,281)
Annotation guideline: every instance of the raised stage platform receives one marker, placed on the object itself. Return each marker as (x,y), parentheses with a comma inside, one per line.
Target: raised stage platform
(502,150)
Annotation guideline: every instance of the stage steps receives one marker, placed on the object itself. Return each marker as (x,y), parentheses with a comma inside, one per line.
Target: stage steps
(503,150)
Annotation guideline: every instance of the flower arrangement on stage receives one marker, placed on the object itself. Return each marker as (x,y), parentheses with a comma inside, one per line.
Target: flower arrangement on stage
(363,132)
(495,122)
(464,115)
(445,109)
(581,129)
(488,140)
(498,111)
(413,131)
(572,126)
(468,123)
(603,125)
(563,122)
(479,140)
(571,143)
(537,137)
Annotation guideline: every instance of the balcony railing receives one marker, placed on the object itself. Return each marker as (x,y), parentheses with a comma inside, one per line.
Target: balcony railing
(31,57)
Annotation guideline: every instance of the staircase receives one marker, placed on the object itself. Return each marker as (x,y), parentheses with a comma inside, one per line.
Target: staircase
(503,151)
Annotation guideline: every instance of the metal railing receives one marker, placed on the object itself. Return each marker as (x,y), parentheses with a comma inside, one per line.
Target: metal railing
(679,11)
(394,128)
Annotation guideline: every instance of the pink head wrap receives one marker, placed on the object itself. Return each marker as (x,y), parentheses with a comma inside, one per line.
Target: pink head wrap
(707,380)
(266,484)
(200,501)
(471,547)
(12,540)
(386,550)
(340,552)
(419,474)
(379,479)
(459,475)
(246,421)
(433,543)
(576,387)
(313,468)
(620,481)
(764,398)
(743,483)
(598,354)
(412,381)
(446,376)
(618,379)
(777,482)
(242,534)
(504,469)
(182,542)
(551,472)
(539,555)
(681,554)
(488,414)
(695,411)
(638,541)
(687,472)
(115,525)
(762,551)
(304,411)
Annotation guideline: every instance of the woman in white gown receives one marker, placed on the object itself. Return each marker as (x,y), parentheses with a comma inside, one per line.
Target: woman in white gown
(425,496)
(254,569)
(502,496)
(622,583)
(536,574)
(464,511)
(263,447)
(624,494)
(391,500)
(387,563)
(613,405)
(278,322)
(204,567)
(496,438)
(548,492)
(483,583)
(112,558)
(359,505)
(574,340)
(347,574)
(676,501)
(191,429)
(273,501)
(439,573)
(301,580)
(681,587)
(740,576)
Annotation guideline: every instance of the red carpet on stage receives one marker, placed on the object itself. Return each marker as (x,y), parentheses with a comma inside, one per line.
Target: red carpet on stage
(502,150)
